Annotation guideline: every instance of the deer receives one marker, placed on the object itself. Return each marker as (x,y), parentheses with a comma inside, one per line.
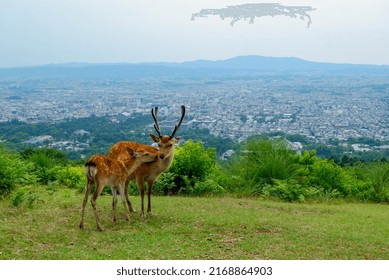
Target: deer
(103,170)
(150,171)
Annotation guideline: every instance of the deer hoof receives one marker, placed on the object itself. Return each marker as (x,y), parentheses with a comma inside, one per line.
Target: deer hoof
(100,227)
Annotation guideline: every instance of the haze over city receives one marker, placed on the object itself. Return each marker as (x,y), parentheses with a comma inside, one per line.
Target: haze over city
(105,31)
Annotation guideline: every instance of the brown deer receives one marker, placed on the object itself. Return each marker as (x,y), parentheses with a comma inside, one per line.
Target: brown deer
(149,172)
(118,151)
(103,170)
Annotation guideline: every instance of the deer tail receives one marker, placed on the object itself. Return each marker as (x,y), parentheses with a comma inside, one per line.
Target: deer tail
(90,170)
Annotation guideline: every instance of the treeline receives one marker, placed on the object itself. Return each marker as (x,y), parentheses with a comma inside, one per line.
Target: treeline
(103,132)
(261,167)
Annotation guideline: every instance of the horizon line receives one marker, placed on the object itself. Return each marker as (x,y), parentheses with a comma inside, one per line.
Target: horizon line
(86,64)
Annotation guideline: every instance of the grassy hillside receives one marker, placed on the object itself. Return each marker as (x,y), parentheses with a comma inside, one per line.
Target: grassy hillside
(193,228)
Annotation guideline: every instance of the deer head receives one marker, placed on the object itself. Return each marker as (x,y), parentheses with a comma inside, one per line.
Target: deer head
(166,143)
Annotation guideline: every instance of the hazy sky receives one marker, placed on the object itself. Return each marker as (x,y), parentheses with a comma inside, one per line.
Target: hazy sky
(35,32)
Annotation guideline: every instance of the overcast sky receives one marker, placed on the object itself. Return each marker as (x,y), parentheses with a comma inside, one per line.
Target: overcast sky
(36,32)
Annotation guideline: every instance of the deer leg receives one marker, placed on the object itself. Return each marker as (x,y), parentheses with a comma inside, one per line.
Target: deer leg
(132,209)
(149,188)
(84,201)
(124,201)
(114,202)
(140,184)
(99,189)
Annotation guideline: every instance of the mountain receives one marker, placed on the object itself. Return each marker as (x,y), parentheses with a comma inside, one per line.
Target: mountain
(197,68)
(253,62)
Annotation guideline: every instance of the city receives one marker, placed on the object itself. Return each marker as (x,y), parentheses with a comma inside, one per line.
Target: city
(321,108)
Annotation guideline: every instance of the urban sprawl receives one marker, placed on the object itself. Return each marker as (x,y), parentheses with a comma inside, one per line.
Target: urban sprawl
(321,108)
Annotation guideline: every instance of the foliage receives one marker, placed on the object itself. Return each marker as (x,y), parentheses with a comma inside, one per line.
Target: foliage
(163,186)
(13,171)
(71,176)
(55,156)
(192,165)
(372,181)
(262,167)
(266,160)
(24,196)
(267,168)
(206,187)
(44,162)
(260,162)
(289,191)
(104,131)
(326,175)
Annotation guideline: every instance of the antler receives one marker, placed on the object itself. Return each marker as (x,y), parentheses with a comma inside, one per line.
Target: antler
(156,125)
(179,122)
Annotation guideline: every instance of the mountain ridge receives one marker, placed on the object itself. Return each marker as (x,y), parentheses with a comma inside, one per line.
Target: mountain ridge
(197,67)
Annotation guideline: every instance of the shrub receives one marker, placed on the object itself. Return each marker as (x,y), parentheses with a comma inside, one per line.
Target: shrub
(266,160)
(24,196)
(378,175)
(207,186)
(260,162)
(373,181)
(326,175)
(71,176)
(192,164)
(163,186)
(55,156)
(13,172)
(44,161)
(289,191)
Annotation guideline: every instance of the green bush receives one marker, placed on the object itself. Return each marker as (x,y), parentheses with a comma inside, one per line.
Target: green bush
(289,191)
(265,160)
(163,186)
(378,175)
(51,156)
(24,196)
(259,162)
(192,164)
(372,181)
(13,172)
(44,162)
(260,168)
(326,175)
(71,176)
(207,187)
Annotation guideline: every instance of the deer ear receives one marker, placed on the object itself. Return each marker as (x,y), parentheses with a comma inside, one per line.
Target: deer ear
(177,139)
(155,138)
(132,152)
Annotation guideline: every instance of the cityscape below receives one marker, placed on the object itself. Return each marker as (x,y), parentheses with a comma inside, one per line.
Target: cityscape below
(321,106)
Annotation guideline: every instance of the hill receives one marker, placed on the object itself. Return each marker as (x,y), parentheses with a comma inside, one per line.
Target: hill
(195,68)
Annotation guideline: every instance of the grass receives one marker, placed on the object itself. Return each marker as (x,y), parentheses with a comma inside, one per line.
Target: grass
(194,228)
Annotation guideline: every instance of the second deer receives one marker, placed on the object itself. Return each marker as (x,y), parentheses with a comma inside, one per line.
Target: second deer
(149,172)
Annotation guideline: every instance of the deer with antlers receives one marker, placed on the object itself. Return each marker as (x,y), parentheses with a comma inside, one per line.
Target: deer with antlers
(102,170)
(149,172)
